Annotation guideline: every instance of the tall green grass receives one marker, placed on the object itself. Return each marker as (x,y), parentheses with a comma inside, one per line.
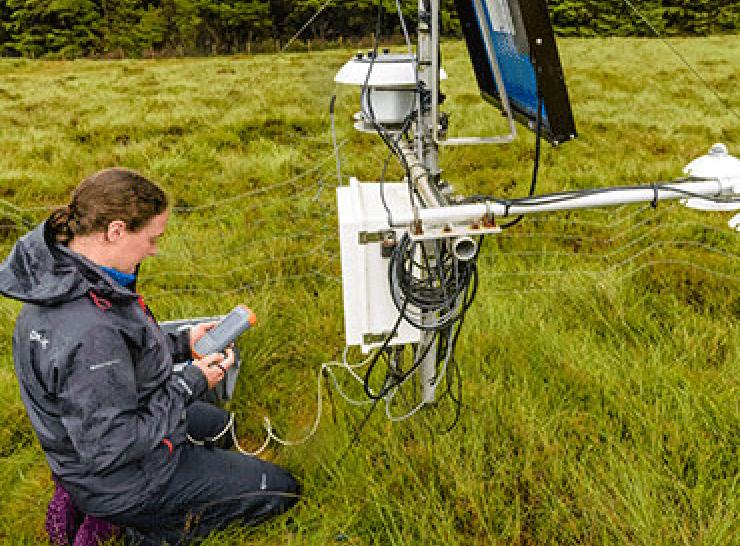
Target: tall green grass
(600,359)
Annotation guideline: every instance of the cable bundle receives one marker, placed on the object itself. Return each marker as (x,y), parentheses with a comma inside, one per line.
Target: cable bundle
(429,286)
(432,291)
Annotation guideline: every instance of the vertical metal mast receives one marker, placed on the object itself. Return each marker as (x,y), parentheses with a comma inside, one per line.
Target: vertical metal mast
(428,49)
(427,156)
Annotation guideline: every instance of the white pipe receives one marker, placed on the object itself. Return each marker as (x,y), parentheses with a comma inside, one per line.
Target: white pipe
(464,248)
(609,198)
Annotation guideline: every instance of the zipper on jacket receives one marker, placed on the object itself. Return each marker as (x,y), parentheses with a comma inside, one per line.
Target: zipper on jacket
(54,384)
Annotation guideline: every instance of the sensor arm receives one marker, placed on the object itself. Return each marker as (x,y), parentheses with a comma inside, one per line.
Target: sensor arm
(593,198)
(715,176)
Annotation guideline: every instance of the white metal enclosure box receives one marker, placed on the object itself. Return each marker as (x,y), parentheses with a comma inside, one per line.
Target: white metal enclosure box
(369,312)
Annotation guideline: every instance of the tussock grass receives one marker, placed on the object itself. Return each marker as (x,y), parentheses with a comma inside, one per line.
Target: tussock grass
(600,360)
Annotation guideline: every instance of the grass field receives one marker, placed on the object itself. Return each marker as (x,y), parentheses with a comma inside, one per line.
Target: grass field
(600,360)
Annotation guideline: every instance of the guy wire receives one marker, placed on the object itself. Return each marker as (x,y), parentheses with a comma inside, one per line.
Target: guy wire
(311,20)
(683,59)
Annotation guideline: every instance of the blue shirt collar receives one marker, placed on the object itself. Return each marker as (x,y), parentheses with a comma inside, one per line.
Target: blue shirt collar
(124,279)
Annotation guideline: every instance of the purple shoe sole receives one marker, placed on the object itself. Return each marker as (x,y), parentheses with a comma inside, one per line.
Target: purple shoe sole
(95,531)
(61,517)
(62,523)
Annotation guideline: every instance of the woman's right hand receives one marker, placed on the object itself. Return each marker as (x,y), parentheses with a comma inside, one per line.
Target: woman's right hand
(214,366)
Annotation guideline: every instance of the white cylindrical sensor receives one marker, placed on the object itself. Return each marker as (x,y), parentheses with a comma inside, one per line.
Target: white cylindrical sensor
(388,105)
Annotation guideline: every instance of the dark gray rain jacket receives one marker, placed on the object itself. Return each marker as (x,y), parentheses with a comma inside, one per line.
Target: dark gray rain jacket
(95,374)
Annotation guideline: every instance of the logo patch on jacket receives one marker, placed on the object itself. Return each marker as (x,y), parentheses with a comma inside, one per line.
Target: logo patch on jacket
(39,336)
(104,364)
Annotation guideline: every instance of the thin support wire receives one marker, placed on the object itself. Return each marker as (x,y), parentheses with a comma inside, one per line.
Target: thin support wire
(305,26)
(683,59)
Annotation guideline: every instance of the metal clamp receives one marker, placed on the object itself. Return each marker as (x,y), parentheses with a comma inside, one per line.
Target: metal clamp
(488,218)
(416,226)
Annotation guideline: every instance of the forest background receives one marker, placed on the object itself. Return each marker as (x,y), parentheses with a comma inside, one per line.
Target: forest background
(148,28)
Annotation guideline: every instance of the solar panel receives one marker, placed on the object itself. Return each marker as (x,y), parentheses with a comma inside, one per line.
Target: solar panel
(519,34)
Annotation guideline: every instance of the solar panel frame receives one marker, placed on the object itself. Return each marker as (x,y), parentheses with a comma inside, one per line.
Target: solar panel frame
(527,49)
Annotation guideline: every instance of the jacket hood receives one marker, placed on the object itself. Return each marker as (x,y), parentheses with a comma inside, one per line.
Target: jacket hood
(39,271)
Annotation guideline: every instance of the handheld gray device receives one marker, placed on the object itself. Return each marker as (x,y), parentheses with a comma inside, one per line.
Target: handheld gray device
(216,340)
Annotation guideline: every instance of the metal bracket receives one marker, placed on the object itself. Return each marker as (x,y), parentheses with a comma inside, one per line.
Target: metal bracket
(453,232)
(366,237)
(388,245)
(488,218)
(416,227)
(368,339)
(440,138)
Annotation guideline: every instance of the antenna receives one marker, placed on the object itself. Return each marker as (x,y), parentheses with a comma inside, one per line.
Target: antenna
(408,251)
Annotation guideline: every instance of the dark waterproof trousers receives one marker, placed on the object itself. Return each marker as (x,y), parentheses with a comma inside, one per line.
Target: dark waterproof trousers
(211,488)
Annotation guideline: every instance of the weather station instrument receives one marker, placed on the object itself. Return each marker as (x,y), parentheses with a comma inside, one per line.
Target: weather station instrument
(409,248)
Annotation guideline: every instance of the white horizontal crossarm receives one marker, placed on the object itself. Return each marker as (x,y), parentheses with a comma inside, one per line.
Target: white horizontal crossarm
(711,206)
(713,179)
(602,197)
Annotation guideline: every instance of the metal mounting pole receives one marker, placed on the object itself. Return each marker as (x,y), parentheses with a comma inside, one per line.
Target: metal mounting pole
(427,159)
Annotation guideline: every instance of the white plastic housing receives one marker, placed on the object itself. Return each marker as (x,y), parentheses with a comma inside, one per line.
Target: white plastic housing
(392,85)
(388,70)
(388,105)
(368,307)
(734,222)
(719,164)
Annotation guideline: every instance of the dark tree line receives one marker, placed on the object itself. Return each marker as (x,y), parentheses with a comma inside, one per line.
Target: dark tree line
(668,17)
(73,28)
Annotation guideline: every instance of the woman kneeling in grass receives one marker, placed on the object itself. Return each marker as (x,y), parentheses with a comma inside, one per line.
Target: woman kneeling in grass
(96,377)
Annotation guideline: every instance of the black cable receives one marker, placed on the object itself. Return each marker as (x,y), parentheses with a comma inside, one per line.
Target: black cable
(364,421)
(456,400)
(437,284)
(454,368)
(382,132)
(589,191)
(361,427)
(536,167)
(561,197)
(404,128)
(397,380)
(421,289)
(376,356)
(570,195)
